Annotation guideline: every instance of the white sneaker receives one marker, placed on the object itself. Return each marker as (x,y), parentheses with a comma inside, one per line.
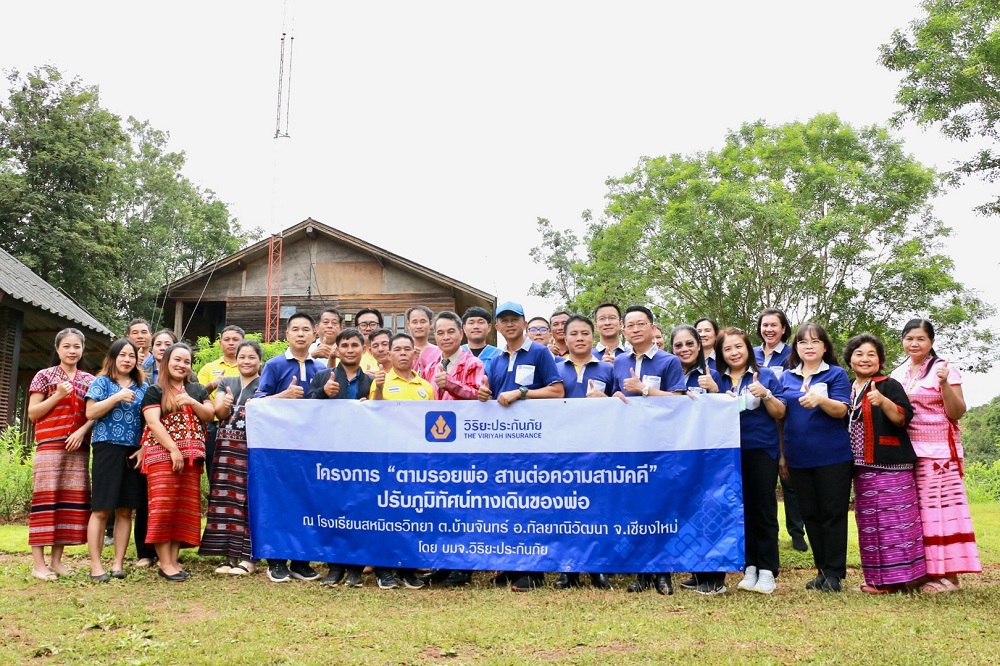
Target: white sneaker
(749,579)
(765,582)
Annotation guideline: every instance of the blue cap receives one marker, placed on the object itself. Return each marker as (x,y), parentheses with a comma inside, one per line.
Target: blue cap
(509,306)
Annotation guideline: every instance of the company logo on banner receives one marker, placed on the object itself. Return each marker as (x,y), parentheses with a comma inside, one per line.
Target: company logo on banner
(440,427)
(542,485)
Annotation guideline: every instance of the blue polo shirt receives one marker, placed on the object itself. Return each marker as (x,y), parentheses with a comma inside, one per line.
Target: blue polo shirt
(576,383)
(663,368)
(758,429)
(710,362)
(600,349)
(813,438)
(488,352)
(531,365)
(278,372)
(150,369)
(778,356)
(691,378)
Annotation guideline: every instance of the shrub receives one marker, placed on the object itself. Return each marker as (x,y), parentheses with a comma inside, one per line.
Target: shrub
(982,482)
(209,351)
(16,474)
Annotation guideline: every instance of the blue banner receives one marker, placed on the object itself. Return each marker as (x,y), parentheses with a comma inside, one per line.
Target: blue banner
(544,485)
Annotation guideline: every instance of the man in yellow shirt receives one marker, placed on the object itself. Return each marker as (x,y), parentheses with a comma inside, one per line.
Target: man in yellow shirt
(400,383)
(212,373)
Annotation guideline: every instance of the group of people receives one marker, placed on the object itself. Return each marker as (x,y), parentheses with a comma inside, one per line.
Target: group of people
(154,427)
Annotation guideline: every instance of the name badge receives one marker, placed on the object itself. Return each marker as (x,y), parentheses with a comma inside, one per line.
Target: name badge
(524,375)
(652,381)
(599,386)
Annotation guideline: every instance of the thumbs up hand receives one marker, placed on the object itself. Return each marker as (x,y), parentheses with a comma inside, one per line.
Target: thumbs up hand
(441,377)
(227,399)
(707,382)
(332,387)
(875,398)
(484,391)
(757,389)
(633,384)
(293,390)
(942,372)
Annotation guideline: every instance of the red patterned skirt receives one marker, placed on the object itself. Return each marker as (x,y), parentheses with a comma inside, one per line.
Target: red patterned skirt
(949,541)
(60,497)
(227,531)
(174,503)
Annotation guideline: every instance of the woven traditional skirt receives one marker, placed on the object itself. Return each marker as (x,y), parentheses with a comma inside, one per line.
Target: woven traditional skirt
(174,503)
(60,496)
(227,531)
(949,541)
(890,535)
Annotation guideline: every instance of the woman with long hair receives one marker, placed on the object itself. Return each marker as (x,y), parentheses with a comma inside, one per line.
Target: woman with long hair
(158,344)
(227,530)
(113,401)
(890,536)
(935,391)
(176,410)
(60,495)
(817,450)
(762,405)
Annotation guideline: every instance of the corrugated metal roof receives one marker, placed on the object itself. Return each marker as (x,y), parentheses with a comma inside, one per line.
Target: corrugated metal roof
(22,284)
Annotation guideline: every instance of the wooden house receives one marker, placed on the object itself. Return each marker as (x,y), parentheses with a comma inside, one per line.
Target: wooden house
(320,267)
(31,313)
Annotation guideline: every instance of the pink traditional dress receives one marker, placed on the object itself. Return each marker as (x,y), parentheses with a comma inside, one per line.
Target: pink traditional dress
(949,540)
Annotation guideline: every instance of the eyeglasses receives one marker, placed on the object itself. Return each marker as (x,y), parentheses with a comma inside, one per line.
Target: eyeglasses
(367,324)
(682,345)
(636,324)
(809,343)
(608,320)
(538,329)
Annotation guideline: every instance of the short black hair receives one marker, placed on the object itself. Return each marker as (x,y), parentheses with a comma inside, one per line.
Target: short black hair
(539,319)
(609,305)
(561,312)
(820,334)
(579,317)
(233,327)
(299,314)
(858,340)
(335,311)
(640,308)
(450,316)
(476,311)
(254,345)
(377,332)
(348,333)
(423,308)
(400,336)
(362,311)
(138,320)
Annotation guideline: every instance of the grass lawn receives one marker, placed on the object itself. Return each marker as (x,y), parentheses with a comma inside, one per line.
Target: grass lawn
(226,620)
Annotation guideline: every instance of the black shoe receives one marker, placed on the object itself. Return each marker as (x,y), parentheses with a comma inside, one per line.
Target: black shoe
(601,581)
(334,575)
(105,577)
(527,583)
(174,578)
(385,579)
(504,578)
(278,572)
(664,583)
(690,583)
(641,583)
(567,580)
(830,585)
(799,543)
(303,571)
(457,578)
(711,587)
(120,575)
(434,576)
(410,580)
(354,578)
(817,582)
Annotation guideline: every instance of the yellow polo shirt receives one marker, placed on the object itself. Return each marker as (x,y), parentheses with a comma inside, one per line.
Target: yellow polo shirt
(397,388)
(368,363)
(215,370)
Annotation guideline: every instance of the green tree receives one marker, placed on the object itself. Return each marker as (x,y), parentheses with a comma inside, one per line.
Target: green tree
(981,433)
(59,169)
(828,221)
(950,58)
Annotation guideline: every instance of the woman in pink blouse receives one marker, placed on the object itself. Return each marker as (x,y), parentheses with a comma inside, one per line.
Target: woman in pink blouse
(935,391)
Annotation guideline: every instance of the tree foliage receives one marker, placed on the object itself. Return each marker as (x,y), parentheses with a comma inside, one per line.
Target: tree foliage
(981,433)
(97,207)
(950,58)
(830,222)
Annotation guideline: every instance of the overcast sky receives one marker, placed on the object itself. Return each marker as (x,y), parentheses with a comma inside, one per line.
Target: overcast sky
(442,130)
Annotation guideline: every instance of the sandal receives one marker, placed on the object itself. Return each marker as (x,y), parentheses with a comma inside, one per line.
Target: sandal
(244,568)
(144,562)
(45,575)
(938,586)
(872,589)
(225,569)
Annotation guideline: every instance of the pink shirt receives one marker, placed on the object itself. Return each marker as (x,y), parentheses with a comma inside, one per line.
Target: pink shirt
(428,362)
(932,433)
(464,377)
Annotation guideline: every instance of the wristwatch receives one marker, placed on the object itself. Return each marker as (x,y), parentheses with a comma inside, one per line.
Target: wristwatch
(524,392)
(767,396)
(645,391)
